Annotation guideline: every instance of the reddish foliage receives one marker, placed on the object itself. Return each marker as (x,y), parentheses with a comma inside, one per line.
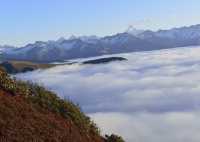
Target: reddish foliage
(21,121)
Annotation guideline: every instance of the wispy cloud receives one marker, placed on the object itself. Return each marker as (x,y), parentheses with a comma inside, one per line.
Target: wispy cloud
(154,96)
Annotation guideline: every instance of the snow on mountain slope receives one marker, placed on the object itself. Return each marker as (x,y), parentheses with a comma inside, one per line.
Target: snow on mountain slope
(152,97)
(134,31)
(184,32)
(89,46)
(190,32)
(5,48)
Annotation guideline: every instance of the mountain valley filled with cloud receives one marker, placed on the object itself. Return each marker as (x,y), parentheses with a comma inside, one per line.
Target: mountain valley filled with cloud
(153,96)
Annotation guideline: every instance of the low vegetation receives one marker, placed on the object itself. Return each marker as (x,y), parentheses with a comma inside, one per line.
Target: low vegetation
(39,97)
(114,138)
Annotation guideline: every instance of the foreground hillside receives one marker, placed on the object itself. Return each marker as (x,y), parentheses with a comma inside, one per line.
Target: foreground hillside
(29,112)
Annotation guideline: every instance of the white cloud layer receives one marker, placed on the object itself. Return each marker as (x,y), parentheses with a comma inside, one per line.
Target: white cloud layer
(152,97)
(152,127)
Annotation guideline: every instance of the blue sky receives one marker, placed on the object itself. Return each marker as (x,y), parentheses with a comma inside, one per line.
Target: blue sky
(24,21)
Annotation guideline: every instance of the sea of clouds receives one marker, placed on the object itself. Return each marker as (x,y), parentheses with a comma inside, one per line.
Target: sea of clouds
(152,97)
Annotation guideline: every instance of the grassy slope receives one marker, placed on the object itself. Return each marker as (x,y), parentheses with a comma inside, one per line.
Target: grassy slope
(21,64)
(22,122)
(29,112)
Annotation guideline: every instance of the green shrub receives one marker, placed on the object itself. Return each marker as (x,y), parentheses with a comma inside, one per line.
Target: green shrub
(114,138)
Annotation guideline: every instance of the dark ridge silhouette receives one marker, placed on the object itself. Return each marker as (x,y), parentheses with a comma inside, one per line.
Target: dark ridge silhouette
(13,67)
(104,60)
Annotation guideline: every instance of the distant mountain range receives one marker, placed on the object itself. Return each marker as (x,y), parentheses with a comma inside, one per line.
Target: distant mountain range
(131,40)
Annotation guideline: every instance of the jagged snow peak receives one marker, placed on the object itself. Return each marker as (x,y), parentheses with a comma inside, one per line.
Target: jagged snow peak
(132,40)
(184,32)
(88,39)
(5,48)
(134,31)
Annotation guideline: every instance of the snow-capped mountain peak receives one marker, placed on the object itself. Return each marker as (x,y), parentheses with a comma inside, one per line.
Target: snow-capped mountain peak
(184,32)
(61,39)
(88,46)
(134,31)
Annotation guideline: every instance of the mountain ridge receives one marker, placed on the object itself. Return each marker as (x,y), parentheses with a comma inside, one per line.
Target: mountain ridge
(82,47)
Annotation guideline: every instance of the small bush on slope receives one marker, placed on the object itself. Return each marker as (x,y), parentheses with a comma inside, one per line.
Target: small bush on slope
(114,138)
